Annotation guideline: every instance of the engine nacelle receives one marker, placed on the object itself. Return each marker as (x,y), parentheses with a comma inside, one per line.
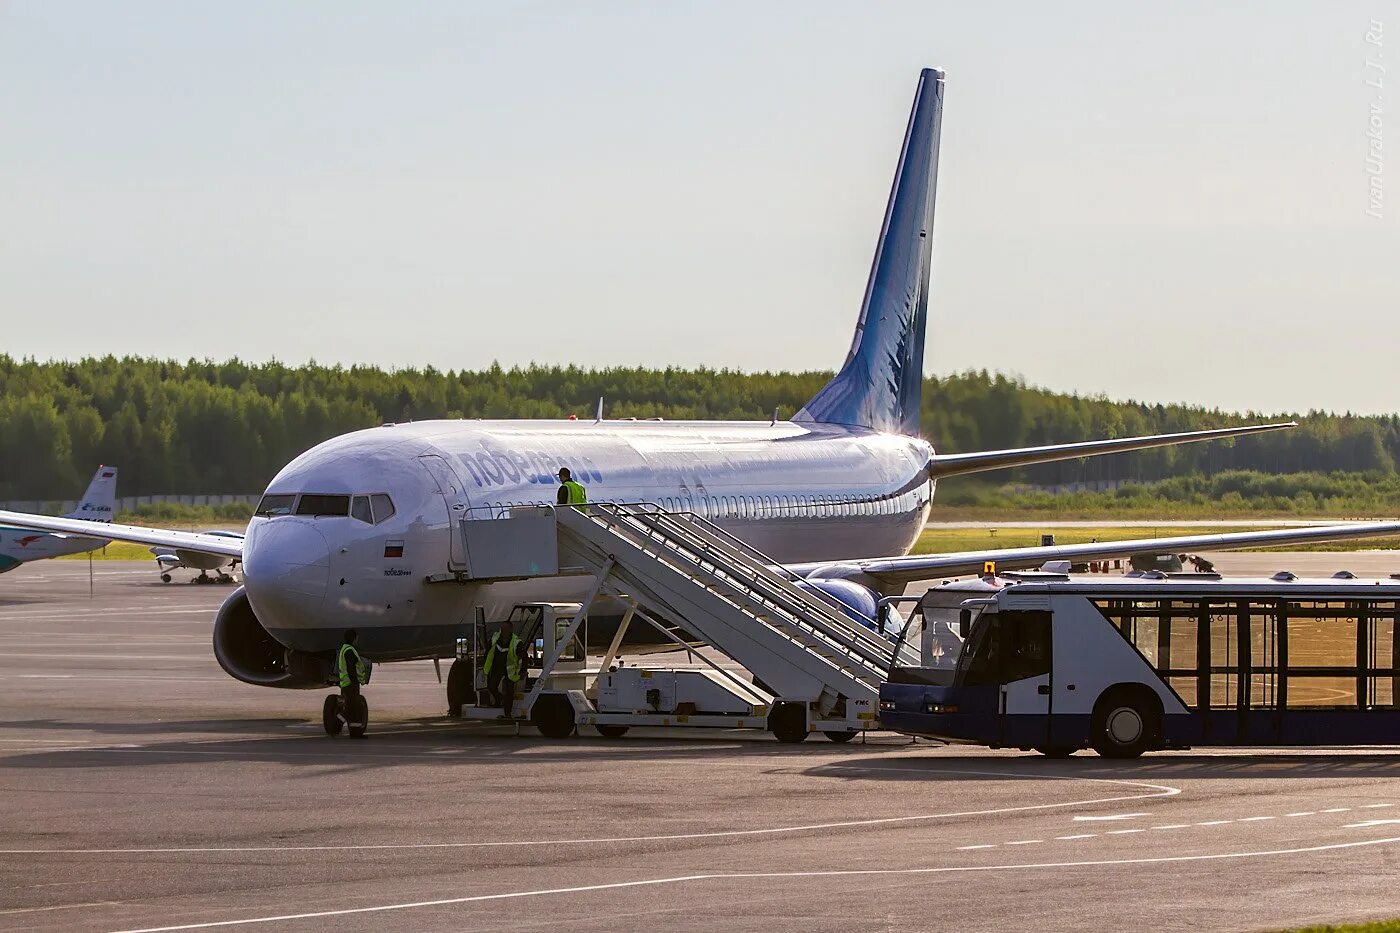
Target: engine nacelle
(246,651)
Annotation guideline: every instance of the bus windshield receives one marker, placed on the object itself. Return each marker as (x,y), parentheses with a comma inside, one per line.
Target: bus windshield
(931,643)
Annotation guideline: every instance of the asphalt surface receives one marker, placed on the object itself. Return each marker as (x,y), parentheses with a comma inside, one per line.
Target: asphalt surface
(140,787)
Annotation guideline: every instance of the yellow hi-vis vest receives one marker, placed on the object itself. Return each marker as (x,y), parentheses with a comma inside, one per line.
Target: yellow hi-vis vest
(577,495)
(513,659)
(342,667)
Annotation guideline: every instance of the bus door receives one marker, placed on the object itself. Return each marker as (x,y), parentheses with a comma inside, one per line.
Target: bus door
(1004,678)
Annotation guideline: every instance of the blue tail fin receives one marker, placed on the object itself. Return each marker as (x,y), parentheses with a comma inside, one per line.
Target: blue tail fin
(881,383)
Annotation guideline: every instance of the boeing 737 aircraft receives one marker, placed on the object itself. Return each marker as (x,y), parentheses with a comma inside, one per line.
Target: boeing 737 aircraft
(348,533)
(22,545)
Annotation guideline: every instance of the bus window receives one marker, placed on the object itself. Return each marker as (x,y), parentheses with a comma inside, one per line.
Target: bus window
(981,661)
(1025,650)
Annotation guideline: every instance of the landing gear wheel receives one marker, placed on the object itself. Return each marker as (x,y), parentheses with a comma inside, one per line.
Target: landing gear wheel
(553,715)
(609,731)
(840,738)
(360,715)
(330,715)
(1056,751)
(459,686)
(1123,726)
(788,723)
(165,578)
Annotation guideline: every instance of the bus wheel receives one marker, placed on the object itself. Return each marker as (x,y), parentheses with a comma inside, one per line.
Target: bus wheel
(840,738)
(610,731)
(330,715)
(788,723)
(1057,751)
(1124,725)
(459,685)
(553,715)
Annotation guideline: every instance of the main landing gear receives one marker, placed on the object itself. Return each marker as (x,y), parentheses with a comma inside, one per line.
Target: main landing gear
(334,715)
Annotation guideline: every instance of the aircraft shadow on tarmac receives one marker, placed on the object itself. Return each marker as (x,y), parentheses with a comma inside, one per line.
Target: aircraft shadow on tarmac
(1348,763)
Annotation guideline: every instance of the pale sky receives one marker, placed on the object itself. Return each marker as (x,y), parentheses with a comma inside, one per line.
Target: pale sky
(1165,202)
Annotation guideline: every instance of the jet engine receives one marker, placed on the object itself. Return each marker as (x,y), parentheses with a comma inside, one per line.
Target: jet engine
(246,651)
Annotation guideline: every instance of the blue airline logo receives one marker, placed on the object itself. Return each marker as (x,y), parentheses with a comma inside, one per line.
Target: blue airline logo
(507,467)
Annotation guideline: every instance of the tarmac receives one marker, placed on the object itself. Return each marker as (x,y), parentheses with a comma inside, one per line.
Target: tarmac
(142,788)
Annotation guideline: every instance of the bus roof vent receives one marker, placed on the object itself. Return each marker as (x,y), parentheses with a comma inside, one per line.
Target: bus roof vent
(1032,576)
(1343,575)
(1284,576)
(1153,575)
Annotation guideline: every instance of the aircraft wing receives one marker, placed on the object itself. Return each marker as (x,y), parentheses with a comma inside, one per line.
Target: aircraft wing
(928,566)
(956,464)
(161,537)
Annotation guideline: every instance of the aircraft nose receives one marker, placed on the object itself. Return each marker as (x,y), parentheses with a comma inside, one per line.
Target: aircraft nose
(286,566)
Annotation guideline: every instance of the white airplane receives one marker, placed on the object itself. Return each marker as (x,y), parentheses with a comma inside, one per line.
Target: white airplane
(347,534)
(20,545)
(176,558)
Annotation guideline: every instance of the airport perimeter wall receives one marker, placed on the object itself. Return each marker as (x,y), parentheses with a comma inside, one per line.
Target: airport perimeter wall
(124,503)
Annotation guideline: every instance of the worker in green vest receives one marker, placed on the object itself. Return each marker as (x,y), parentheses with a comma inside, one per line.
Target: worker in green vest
(505,665)
(351,670)
(570,492)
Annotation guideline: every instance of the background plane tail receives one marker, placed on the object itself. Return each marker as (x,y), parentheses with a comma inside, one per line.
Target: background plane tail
(100,500)
(881,383)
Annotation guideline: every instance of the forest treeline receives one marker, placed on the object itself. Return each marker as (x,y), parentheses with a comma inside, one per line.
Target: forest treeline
(227,427)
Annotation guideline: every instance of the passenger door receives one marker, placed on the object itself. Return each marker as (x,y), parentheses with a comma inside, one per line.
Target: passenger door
(1025,678)
(454,496)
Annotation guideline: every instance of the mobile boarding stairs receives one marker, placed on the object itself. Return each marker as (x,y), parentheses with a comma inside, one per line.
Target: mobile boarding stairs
(814,667)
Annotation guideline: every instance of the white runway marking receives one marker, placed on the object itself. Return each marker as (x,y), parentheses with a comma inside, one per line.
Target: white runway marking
(1303,813)
(763,876)
(1116,816)
(1369,823)
(1157,790)
(1123,832)
(1254,819)
(1079,836)
(1173,826)
(1223,822)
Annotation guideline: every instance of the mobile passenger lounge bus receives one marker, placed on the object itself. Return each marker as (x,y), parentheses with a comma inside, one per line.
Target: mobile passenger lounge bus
(1148,661)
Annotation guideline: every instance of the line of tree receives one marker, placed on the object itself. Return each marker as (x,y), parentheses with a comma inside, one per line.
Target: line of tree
(217,427)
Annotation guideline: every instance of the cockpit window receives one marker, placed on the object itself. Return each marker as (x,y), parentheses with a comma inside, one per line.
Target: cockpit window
(275,505)
(317,504)
(383,507)
(359,509)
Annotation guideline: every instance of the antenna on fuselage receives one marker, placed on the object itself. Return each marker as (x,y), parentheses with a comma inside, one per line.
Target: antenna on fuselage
(775,417)
(600,410)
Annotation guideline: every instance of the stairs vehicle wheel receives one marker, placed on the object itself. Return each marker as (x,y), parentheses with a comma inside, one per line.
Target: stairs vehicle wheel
(610,731)
(165,578)
(788,723)
(840,738)
(330,715)
(553,715)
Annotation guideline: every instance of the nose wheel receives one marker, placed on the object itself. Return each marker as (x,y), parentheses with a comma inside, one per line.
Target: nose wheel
(335,717)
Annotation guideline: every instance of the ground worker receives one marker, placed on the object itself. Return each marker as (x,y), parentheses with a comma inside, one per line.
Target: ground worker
(570,492)
(351,670)
(503,673)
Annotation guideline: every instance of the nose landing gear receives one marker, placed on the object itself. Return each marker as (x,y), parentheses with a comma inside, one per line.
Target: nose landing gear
(335,716)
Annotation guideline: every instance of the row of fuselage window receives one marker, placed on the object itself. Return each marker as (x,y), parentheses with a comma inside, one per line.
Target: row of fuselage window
(764,506)
(371,508)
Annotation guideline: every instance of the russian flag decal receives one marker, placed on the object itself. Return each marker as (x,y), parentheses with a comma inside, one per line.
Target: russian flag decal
(393,549)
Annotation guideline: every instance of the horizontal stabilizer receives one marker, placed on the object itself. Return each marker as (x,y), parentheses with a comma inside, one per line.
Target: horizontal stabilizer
(956,464)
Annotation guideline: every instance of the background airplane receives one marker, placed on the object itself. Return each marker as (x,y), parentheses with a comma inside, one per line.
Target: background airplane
(172,558)
(350,532)
(19,545)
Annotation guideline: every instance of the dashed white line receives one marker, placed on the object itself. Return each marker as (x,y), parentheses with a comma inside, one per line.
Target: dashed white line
(1024,842)
(1215,822)
(1079,836)
(1173,826)
(1119,832)
(1335,810)
(965,848)
(1303,813)
(1376,806)
(1254,819)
